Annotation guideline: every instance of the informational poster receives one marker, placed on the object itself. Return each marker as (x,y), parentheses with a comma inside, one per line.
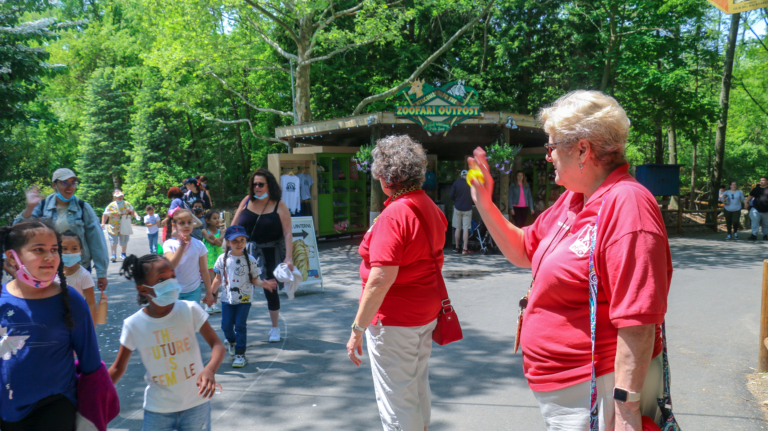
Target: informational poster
(305,254)
(735,6)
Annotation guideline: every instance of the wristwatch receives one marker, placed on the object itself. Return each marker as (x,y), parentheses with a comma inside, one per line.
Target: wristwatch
(357,327)
(624,396)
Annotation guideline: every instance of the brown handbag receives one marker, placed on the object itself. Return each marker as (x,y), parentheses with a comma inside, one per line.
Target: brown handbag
(448,328)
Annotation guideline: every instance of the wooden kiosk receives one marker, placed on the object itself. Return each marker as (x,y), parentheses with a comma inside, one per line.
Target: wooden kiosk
(452,136)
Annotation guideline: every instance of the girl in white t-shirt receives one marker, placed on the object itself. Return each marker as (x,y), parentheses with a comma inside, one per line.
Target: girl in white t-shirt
(188,256)
(237,272)
(77,276)
(179,386)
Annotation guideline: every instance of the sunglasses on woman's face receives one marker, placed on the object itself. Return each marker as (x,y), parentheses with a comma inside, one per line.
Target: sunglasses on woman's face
(69,183)
(551,147)
(259,185)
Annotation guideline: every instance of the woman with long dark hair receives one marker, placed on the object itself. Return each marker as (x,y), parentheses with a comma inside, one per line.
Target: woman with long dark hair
(520,200)
(267,221)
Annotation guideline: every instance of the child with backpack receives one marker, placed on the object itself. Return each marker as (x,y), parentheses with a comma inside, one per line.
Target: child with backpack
(239,272)
(165,335)
(41,323)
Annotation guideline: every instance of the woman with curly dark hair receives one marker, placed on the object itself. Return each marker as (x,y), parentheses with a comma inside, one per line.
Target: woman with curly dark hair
(402,255)
(267,221)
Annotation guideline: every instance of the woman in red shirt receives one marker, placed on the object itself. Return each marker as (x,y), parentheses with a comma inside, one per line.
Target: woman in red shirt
(587,135)
(400,300)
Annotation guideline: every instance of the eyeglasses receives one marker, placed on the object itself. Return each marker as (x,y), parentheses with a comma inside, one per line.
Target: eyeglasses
(69,183)
(259,185)
(550,147)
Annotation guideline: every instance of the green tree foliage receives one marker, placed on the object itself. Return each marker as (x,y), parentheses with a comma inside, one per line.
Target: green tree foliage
(105,138)
(156,91)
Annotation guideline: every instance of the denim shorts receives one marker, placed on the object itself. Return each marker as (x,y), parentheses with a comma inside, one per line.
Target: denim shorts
(196,418)
(195,295)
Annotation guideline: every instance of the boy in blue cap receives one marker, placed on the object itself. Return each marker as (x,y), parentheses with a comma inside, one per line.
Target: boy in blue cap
(239,272)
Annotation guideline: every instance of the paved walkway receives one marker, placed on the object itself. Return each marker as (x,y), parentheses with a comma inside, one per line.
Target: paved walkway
(306,382)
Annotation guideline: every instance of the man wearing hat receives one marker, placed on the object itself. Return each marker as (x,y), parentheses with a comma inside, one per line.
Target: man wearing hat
(195,193)
(462,212)
(118,214)
(68,212)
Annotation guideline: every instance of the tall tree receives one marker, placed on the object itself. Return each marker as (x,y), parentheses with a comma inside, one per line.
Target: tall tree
(105,139)
(722,124)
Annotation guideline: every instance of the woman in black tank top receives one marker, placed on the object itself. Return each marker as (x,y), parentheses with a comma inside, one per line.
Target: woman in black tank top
(267,221)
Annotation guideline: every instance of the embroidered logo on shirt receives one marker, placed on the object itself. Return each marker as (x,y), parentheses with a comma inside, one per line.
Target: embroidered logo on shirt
(581,245)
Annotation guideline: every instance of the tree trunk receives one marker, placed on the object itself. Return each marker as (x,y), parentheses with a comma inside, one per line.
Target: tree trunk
(672,143)
(694,142)
(722,124)
(239,141)
(658,143)
(303,108)
(612,43)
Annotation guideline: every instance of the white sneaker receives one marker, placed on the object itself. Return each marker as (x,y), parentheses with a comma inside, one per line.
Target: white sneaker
(229,348)
(274,334)
(239,361)
(728,237)
(215,309)
(207,309)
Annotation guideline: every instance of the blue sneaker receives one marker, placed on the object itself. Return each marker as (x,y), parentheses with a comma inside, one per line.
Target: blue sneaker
(114,258)
(122,256)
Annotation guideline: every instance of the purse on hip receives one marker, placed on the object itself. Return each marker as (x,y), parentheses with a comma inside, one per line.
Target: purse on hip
(448,328)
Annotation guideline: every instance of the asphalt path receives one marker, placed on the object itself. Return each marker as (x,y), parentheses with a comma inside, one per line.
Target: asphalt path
(306,381)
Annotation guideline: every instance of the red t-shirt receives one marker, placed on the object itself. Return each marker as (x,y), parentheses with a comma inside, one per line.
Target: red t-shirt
(398,239)
(634,269)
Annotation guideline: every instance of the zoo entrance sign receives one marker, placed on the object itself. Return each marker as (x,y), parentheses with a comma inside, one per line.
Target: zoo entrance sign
(438,109)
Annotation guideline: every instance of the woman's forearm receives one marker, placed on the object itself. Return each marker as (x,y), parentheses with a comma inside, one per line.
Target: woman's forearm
(508,237)
(379,282)
(634,348)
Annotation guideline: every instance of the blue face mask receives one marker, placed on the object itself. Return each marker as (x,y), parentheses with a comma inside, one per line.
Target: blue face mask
(264,196)
(58,195)
(167,292)
(71,259)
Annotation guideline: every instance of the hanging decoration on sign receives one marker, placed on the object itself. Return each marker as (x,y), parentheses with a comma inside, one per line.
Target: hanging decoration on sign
(437,109)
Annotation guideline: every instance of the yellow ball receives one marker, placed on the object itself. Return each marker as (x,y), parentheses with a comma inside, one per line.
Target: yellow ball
(475,174)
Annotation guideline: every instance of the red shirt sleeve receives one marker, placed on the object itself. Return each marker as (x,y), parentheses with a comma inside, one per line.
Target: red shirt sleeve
(387,245)
(637,271)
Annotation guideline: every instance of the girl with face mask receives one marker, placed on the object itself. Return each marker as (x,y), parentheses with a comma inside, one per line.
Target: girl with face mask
(41,323)
(164,333)
(77,276)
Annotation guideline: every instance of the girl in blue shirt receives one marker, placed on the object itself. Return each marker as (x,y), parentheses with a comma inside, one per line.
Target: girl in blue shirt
(41,323)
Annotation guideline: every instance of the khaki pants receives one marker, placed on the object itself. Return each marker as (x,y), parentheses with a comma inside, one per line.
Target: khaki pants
(399,358)
(567,409)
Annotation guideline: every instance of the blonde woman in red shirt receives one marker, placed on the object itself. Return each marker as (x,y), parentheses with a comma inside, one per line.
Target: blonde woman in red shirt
(400,300)
(632,263)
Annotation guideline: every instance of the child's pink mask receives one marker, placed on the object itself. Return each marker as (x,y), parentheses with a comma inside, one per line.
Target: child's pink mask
(25,277)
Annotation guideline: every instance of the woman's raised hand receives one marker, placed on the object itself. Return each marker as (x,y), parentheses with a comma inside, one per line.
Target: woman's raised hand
(33,196)
(482,194)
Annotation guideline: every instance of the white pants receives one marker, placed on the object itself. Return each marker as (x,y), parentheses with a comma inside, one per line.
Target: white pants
(399,358)
(567,409)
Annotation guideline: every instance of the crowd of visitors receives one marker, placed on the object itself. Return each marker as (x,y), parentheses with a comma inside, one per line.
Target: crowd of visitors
(591,326)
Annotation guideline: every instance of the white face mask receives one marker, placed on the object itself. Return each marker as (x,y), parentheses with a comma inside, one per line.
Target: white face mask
(71,259)
(166,292)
